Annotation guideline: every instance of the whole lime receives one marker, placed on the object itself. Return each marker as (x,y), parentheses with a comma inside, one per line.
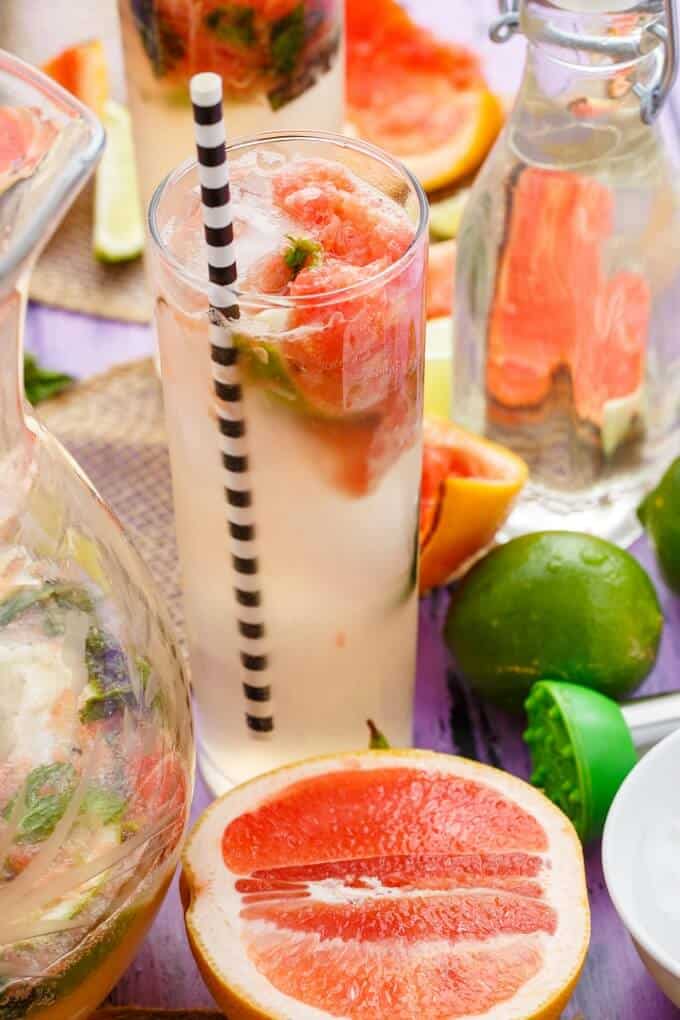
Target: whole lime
(659,513)
(554,604)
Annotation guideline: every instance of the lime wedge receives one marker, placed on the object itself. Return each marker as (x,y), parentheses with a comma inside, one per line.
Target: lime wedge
(118,226)
(445,215)
(438,367)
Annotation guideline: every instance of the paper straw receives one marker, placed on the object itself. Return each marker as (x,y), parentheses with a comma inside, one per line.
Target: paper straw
(213,172)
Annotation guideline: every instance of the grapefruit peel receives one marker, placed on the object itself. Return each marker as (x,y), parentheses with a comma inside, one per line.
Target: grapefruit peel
(296,934)
(468,488)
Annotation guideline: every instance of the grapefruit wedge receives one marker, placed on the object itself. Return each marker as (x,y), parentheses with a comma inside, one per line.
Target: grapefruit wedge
(386,885)
(82,70)
(468,487)
(418,97)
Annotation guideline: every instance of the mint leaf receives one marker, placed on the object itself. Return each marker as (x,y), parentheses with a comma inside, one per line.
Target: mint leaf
(65,596)
(47,791)
(40,383)
(302,253)
(105,805)
(109,688)
(232,23)
(287,39)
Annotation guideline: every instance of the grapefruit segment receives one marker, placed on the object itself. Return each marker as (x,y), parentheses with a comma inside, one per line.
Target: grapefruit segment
(82,70)
(348,362)
(423,99)
(555,306)
(386,886)
(25,138)
(468,487)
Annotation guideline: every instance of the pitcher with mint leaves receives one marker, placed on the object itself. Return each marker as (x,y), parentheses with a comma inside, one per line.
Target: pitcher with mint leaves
(96,742)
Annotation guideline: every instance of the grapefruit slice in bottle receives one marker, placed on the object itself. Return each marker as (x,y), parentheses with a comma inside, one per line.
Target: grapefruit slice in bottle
(556,308)
(388,885)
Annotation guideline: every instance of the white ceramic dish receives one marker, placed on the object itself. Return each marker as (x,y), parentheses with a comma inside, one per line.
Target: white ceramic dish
(641,860)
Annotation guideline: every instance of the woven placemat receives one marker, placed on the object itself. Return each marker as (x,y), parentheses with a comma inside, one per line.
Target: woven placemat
(113,426)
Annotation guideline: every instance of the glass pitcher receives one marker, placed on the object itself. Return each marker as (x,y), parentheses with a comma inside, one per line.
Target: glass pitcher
(567,345)
(96,746)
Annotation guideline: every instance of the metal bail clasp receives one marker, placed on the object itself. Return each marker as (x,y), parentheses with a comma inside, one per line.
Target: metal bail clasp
(652,97)
(504,27)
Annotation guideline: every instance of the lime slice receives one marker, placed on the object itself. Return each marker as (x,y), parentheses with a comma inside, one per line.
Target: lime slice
(438,367)
(118,227)
(445,215)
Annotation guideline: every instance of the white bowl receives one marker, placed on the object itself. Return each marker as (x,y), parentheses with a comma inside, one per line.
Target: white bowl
(641,861)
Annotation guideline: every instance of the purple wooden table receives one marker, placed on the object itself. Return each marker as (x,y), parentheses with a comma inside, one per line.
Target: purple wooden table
(614,985)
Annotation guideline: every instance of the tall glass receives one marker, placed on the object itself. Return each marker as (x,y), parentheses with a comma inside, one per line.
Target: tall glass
(280,61)
(96,742)
(332,389)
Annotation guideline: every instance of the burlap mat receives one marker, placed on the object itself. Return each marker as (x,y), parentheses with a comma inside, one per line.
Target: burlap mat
(67,274)
(113,426)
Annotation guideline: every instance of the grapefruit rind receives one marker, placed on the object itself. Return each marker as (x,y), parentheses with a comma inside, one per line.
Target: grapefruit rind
(464,153)
(436,166)
(213,905)
(470,509)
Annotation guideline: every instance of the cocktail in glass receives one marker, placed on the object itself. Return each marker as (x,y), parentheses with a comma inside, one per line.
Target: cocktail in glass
(280,61)
(331,247)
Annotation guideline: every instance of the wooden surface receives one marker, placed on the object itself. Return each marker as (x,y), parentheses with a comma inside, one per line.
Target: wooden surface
(614,985)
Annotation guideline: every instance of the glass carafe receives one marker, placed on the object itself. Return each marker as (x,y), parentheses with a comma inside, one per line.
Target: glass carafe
(567,328)
(96,745)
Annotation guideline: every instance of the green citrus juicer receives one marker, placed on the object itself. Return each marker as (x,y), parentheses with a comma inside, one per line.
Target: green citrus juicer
(583,745)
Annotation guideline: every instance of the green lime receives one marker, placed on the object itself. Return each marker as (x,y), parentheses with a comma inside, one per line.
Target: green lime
(445,215)
(554,604)
(118,226)
(659,513)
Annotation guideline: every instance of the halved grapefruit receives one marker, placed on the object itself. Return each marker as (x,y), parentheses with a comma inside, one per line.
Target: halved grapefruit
(468,487)
(416,96)
(386,885)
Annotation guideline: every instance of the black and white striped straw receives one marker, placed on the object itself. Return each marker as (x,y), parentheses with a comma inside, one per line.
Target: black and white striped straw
(213,172)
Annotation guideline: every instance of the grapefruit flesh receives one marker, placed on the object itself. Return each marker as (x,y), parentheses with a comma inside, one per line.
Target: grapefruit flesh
(238,41)
(440,279)
(421,98)
(353,357)
(25,138)
(82,70)
(386,885)
(555,306)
